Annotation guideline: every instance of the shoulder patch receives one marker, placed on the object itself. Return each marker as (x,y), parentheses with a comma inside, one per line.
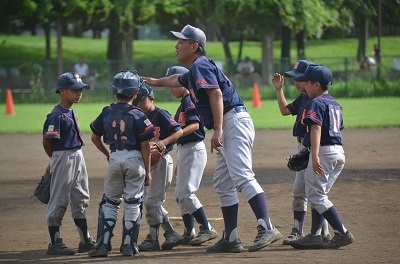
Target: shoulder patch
(50,128)
(147,122)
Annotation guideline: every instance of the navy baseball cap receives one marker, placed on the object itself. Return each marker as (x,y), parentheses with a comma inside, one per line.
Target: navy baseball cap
(316,73)
(193,33)
(299,68)
(70,80)
(176,70)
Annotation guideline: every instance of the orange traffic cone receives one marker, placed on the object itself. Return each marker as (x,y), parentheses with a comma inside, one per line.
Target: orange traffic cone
(256,97)
(9,103)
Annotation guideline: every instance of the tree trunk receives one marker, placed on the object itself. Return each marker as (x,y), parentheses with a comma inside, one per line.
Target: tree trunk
(228,55)
(362,38)
(267,61)
(114,48)
(129,49)
(301,46)
(241,42)
(46,28)
(59,46)
(285,49)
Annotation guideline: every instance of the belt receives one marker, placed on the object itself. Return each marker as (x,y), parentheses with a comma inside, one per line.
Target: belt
(127,147)
(238,109)
(299,139)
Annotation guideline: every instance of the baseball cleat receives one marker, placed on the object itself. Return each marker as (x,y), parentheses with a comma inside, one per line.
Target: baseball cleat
(203,236)
(85,247)
(128,250)
(186,240)
(294,235)
(326,238)
(308,242)
(265,238)
(340,241)
(101,251)
(149,244)
(59,248)
(225,246)
(172,239)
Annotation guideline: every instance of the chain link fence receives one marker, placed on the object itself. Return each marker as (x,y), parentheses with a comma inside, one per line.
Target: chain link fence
(34,82)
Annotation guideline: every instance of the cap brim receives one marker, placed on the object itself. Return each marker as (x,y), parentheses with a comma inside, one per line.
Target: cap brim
(178,35)
(79,85)
(301,78)
(292,73)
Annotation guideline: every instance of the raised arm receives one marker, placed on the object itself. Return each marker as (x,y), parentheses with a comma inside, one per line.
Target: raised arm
(170,81)
(278,81)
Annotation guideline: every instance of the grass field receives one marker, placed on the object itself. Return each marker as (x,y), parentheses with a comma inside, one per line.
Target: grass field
(32,48)
(358,113)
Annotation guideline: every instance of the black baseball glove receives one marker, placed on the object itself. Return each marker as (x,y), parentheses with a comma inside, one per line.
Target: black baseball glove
(299,161)
(42,191)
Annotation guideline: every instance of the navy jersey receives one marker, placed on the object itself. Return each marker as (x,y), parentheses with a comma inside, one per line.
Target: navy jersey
(296,108)
(324,111)
(204,74)
(185,114)
(62,126)
(134,126)
(164,124)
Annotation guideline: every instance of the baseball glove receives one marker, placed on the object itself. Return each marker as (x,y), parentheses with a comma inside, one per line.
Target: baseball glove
(157,151)
(42,191)
(299,161)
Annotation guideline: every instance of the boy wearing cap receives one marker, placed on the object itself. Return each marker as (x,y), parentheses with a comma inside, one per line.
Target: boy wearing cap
(191,161)
(299,200)
(324,120)
(62,142)
(223,111)
(167,130)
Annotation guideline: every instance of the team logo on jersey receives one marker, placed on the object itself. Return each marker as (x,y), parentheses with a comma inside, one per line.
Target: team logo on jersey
(147,122)
(50,128)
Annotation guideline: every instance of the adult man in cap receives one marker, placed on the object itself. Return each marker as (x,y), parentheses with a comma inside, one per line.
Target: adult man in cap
(223,111)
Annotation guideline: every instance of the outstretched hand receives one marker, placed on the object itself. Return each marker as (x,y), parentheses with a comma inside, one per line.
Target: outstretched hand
(278,81)
(150,80)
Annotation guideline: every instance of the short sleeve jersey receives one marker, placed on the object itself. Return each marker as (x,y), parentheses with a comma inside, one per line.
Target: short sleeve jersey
(204,74)
(164,125)
(325,112)
(185,114)
(135,127)
(62,126)
(296,108)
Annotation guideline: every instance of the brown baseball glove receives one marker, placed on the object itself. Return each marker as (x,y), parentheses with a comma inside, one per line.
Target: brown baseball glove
(157,151)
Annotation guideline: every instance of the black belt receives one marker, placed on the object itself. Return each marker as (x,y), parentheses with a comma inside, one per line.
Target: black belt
(127,147)
(299,139)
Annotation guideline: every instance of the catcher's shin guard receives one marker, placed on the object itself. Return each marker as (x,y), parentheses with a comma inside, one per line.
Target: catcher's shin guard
(105,227)
(131,228)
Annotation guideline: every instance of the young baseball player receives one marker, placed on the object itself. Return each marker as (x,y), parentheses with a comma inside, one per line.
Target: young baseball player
(223,111)
(324,120)
(127,131)
(191,161)
(62,142)
(167,130)
(299,200)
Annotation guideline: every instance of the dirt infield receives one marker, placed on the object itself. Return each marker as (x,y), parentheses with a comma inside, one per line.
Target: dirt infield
(366,196)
